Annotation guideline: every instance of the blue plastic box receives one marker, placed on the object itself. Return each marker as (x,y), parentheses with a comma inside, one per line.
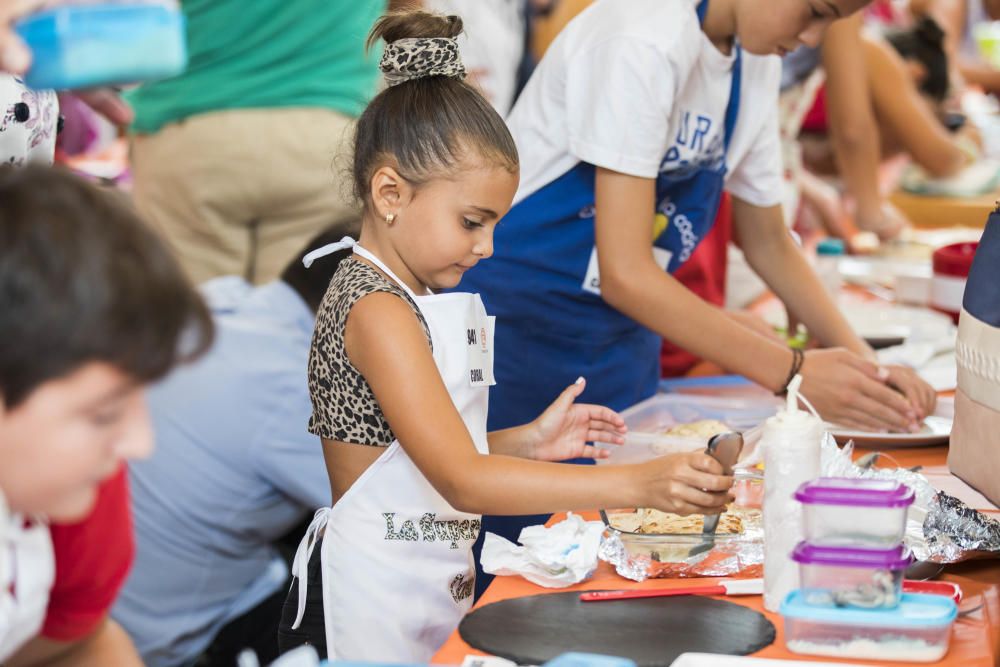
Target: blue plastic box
(96,45)
(918,630)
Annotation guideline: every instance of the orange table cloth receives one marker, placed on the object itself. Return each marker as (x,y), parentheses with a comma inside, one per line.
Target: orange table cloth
(975,638)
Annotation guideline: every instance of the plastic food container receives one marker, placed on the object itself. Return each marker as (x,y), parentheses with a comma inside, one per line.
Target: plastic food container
(851,577)
(918,630)
(81,46)
(854,512)
(648,420)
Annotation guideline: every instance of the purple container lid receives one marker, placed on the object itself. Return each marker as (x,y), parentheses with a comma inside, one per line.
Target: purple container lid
(896,558)
(855,492)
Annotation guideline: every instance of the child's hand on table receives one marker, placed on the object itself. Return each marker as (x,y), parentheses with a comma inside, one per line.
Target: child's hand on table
(564,429)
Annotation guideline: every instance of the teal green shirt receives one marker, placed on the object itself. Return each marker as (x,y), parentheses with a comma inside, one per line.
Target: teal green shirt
(254,54)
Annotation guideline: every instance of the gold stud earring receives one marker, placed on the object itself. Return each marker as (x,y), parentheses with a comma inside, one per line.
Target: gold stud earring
(390,218)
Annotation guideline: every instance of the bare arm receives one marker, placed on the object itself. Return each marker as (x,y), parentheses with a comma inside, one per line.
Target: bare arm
(634,284)
(383,336)
(907,115)
(853,129)
(107,645)
(775,257)
(844,386)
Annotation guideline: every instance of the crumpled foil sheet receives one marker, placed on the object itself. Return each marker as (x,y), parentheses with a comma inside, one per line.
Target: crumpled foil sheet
(613,551)
(953,532)
(939,528)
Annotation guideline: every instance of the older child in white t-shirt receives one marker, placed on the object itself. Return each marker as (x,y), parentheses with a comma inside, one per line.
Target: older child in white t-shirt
(637,118)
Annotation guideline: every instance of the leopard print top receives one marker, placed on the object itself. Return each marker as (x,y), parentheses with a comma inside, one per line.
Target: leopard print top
(344,407)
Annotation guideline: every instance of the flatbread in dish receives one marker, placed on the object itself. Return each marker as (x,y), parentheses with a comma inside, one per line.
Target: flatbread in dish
(654,522)
(665,523)
(702,429)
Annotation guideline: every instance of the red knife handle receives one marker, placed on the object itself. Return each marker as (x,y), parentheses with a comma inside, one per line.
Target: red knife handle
(600,596)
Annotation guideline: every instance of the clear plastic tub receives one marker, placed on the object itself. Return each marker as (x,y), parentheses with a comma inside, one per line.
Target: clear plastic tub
(854,512)
(918,630)
(81,46)
(850,577)
(647,422)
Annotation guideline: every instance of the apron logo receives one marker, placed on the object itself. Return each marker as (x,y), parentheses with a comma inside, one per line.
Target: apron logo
(460,588)
(406,533)
(482,338)
(452,531)
(471,336)
(476,375)
(689,240)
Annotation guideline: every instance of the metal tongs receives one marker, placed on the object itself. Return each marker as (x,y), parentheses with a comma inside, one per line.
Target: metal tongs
(724,448)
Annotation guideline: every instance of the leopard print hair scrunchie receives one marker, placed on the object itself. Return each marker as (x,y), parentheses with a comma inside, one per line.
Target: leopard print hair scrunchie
(416,57)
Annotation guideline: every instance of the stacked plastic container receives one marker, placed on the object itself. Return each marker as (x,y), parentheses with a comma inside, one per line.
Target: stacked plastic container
(850,602)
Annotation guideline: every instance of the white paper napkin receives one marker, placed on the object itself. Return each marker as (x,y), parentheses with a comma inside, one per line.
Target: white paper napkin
(554,557)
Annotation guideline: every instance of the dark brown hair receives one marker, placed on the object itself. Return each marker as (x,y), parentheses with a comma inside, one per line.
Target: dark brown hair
(83,279)
(424,126)
(924,43)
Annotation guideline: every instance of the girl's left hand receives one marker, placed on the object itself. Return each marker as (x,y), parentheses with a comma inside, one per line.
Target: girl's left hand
(564,429)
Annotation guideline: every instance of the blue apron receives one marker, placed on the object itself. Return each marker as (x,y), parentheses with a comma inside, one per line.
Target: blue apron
(551,326)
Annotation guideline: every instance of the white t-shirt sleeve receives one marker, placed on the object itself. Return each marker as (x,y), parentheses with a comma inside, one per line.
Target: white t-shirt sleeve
(618,100)
(756,179)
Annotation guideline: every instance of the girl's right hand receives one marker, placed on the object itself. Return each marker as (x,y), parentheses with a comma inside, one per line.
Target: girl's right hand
(688,483)
(851,391)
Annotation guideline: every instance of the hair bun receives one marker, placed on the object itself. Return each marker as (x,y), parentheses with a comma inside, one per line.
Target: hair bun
(418,44)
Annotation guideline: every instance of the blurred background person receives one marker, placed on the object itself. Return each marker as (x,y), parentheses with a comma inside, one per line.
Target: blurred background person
(239,161)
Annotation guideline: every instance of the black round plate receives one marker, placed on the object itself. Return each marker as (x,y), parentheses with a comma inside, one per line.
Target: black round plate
(650,631)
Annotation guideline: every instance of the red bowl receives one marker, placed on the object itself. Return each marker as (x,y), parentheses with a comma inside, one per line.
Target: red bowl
(955,259)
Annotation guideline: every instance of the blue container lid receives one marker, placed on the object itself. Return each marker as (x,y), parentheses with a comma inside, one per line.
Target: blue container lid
(831,247)
(915,610)
(893,558)
(855,492)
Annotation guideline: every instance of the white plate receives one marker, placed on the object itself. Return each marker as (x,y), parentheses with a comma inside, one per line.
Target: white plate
(936,431)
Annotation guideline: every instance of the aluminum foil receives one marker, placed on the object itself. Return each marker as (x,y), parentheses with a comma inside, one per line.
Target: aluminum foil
(953,532)
(613,551)
(735,558)
(939,527)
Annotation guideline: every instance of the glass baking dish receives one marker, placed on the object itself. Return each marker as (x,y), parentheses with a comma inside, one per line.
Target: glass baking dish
(668,554)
